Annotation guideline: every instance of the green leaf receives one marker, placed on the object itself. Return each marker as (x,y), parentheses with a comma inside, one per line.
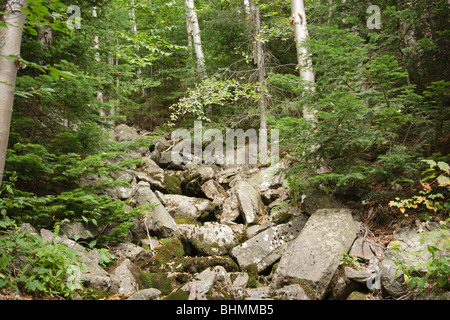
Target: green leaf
(431,163)
(442,281)
(444,166)
(443,180)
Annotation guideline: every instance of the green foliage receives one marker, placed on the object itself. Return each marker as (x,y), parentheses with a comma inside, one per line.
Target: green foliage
(26,261)
(432,203)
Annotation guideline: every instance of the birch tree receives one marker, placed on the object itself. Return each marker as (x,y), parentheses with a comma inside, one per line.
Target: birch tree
(194,33)
(259,60)
(10,42)
(304,61)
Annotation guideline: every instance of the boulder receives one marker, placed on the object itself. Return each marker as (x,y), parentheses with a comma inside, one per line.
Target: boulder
(413,248)
(214,191)
(125,133)
(134,253)
(313,257)
(128,275)
(313,200)
(145,294)
(180,206)
(365,249)
(199,287)
(230,209)
(158,220)
(212,238)
(83,231)
(254,250)
(291,292)
(268,178)
(250,204)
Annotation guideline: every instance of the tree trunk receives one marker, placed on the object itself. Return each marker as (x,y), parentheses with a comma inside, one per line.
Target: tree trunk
(10,42)
(259,60)
(194,31)
(304,62)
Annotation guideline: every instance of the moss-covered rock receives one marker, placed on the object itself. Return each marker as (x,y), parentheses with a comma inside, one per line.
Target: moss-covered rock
(158,281)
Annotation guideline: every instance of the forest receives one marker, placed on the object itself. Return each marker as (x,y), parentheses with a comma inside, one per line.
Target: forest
(350,96)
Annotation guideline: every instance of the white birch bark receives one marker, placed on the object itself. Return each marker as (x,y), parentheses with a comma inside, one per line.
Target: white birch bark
(304,62)
(259,57)
(10,42)
(194,30)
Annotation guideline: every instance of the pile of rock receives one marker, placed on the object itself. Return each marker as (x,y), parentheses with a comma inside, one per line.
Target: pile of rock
(225,232)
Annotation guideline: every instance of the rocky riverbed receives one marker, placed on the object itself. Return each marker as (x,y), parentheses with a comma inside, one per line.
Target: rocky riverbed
(230,232)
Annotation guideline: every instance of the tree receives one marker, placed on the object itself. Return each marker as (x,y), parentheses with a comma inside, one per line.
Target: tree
(10,43)
(194,32)
(304,61)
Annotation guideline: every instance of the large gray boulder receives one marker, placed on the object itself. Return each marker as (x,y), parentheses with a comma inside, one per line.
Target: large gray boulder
(412,250)
(250,203)
(128,275)
(125,133)
(211,239)
(158,219)
(254,250)
(313,257)
(180,206)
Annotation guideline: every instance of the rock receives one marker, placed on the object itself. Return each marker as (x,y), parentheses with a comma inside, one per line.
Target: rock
(125,133)
(199,287)
(313,200)
(434,294)
(158,221)
(270,195)
(366,249)
(250,203)
(214,191)
(230,209)
(355,295)
(414,252)
(124,192)
(268,178)
(291,292)
(341,286)
(313,257)
(360,275)
(239,285)
(213,239)
(134,253)
(187,207)
(128,275)
(79,229)
(257,228)
(195,265)
(145,294)
(392,278)
(172,184)
(260,293)
(254,250)
(27,228)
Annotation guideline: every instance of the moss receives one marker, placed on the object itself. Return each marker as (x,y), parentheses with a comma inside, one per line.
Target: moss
(355,295)
(185,220)
(199,264)
(252,282)
(171,248)
(158,281)
(178,295)
(172,184)
(95,294)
